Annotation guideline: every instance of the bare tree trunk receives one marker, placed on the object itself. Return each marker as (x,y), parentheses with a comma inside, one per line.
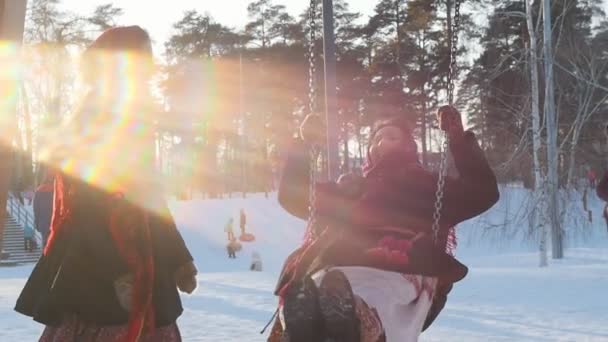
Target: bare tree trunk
(536,137)
(552,152)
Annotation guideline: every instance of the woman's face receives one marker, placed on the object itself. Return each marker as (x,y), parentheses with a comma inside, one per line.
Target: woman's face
(390,139)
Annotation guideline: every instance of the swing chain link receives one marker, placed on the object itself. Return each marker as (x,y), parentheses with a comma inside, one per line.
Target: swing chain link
(312,212)
(312,103)
(443,161)
(453,51)
(442,174)
(312,68)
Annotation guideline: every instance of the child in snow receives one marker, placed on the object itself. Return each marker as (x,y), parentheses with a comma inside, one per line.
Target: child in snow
(231,248)
(114,260)
(28,239)
(256,262)
(229,229)
(370,268)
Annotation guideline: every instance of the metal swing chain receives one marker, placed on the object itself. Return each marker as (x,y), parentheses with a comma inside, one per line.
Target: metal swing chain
(312,106)
(443,161)
(312,68)
(453,52)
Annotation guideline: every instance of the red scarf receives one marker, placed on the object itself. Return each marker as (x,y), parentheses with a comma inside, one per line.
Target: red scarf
(130,231)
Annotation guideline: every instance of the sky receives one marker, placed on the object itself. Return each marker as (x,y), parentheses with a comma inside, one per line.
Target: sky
(158,16)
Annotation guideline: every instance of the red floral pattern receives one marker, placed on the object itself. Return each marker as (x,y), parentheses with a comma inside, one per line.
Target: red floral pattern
(73,329)
(391,250)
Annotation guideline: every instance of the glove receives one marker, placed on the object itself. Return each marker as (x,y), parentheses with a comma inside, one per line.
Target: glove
(312,129)
(450,121)
(185,277)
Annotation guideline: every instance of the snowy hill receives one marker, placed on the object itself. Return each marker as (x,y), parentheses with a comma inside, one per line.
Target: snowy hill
(506,297)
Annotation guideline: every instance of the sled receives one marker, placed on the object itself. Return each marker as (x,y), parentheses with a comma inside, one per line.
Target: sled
(247,237)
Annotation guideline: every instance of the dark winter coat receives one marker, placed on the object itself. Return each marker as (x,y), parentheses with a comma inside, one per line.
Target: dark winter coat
(397,195)
(78,273)
(602,188)
(602,192)
(43,209)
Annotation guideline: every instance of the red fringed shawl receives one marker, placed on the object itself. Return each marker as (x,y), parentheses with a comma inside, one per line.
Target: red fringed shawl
(130,231)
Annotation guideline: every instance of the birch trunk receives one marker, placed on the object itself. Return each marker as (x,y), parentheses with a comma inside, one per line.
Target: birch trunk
(536,138)
(552,152)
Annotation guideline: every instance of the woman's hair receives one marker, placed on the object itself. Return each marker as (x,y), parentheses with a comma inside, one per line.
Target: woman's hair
(394,121)
(131,39)
(125,38)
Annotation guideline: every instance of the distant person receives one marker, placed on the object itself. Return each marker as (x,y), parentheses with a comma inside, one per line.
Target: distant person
(229,229)
(256,262)
(43,207)
(602,187)
(29,244)
(602,192)
(243,221)
(231,248)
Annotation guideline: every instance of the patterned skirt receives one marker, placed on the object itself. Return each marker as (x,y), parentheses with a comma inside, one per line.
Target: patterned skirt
(75,330)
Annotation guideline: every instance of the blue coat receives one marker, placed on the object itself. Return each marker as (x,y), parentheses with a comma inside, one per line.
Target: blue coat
(28,232)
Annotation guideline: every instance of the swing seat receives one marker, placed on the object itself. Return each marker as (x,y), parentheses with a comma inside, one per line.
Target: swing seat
(247,237)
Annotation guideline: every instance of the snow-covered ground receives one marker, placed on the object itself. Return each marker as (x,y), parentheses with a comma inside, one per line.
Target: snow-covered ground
(505,297)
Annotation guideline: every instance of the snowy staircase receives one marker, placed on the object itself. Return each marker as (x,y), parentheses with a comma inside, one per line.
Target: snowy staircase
(12,249)
(13,244)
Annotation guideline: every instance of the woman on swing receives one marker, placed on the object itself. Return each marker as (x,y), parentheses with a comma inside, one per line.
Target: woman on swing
(373,270)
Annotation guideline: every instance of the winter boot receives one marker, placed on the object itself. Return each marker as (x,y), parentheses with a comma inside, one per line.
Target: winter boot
(338,308)
(302,313)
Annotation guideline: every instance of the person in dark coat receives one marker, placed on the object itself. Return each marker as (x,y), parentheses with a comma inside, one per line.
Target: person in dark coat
(602,187)
(114,260)
(43,207)
(602,192)
(380,224)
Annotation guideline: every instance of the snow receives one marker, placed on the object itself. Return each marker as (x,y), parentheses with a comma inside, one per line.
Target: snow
(505,297)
